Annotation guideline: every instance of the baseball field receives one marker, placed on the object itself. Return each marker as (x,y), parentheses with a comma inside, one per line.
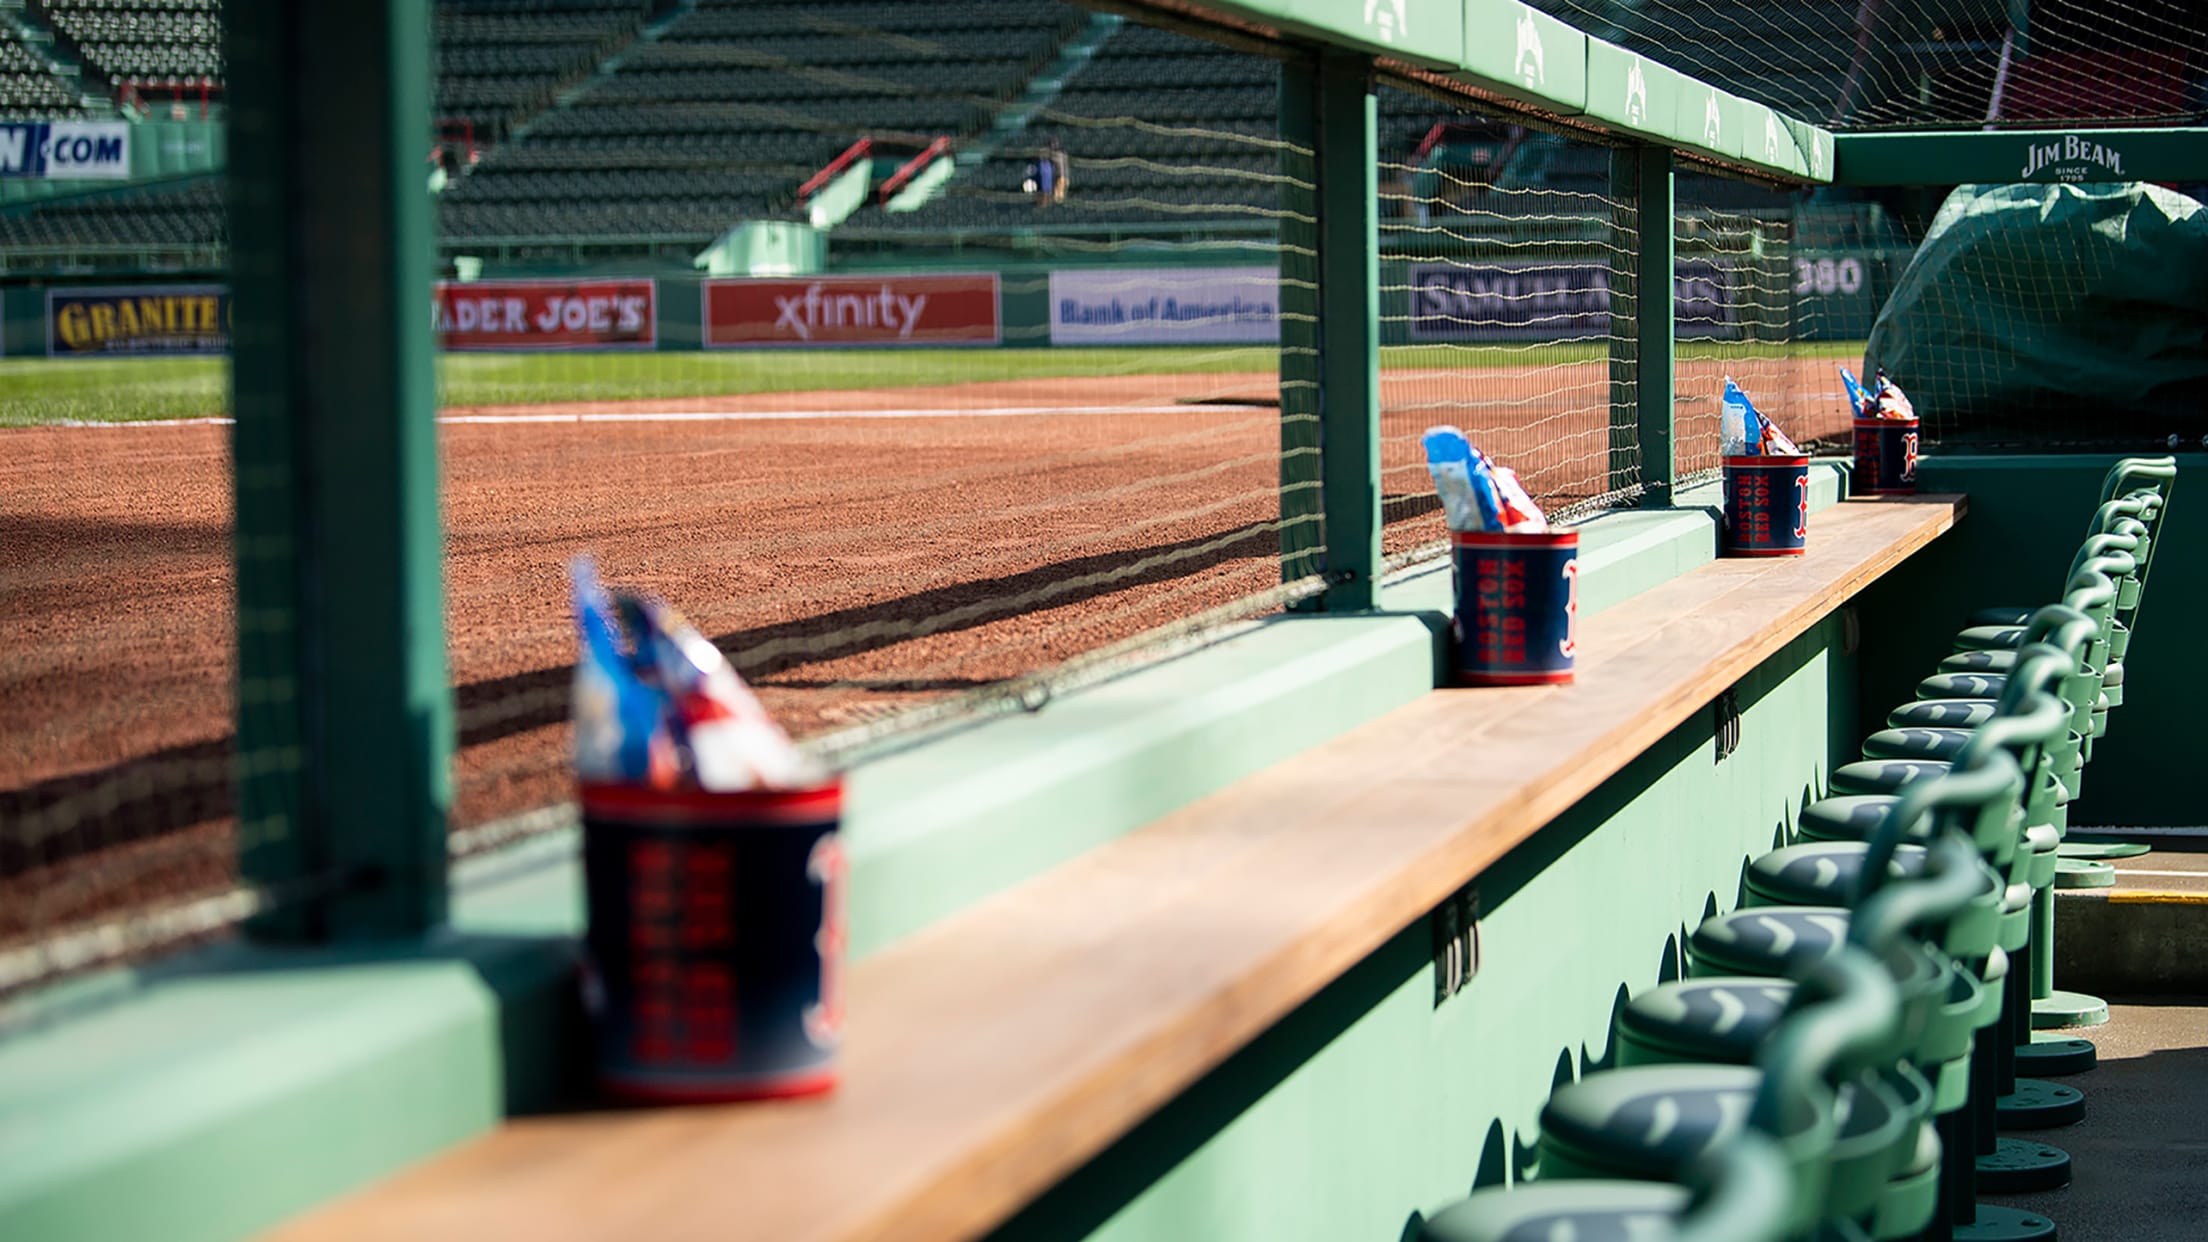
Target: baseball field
(861,531)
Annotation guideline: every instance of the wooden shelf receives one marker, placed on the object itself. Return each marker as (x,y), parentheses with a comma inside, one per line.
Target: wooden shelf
(993,1053)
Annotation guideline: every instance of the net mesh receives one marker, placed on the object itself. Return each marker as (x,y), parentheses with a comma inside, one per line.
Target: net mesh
(933,359)
(1020,411)
(1735,317)
(1500,247)
(1928,63)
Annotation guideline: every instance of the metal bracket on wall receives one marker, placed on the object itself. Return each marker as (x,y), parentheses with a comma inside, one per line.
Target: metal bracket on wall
(1456,924)
(1726,711)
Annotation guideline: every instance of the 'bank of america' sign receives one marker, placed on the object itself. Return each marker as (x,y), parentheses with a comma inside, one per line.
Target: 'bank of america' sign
(65,150)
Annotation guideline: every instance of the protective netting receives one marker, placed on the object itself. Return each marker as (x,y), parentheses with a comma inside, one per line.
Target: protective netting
(2050,317)
(1500,249)
(1735,315)
(116,757)
(1928,63)
(981,395)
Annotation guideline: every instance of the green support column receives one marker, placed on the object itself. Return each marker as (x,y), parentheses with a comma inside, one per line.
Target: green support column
(1625,409)
(1345,120)
(1302,490)
(1652,323)
(344,705)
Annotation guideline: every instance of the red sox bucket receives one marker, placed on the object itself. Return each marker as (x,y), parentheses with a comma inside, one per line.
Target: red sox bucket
(1766,506)
(715,949)
(1885,457)
(1517,607)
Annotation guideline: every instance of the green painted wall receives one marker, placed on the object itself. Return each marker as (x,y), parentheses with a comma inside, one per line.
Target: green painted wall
(2027,517)
(1371,1103)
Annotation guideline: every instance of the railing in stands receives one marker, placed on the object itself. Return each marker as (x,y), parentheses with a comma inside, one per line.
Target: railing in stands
(851,155)
(133,94)
(913,167)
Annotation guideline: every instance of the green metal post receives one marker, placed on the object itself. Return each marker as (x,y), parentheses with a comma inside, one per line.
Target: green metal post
(1652,323)
(1625,285)
(1346,128)
(1302,489)
(344,705)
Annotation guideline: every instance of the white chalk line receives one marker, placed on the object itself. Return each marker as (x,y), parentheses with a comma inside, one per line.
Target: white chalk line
(752,416)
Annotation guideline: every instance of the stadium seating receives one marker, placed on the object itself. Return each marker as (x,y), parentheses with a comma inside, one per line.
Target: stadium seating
(160,42)
(188,214)
(732,106)
(30,87)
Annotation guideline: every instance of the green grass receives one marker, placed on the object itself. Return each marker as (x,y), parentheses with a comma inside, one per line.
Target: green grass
(40,390)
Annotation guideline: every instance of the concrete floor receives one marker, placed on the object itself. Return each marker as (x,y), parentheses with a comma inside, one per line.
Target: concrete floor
(2140,1157)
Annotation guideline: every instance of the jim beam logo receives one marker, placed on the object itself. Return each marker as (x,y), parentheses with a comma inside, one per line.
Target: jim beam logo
(1636,94)
(1770,138)
(2072,157)
(1817,141)
(1533,67)
(1388,18)
(1710,120)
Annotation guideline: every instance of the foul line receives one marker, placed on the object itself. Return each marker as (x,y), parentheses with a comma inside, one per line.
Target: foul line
(752,416)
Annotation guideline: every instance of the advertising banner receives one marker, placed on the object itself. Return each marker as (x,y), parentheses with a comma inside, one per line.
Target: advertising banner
(1165,306)
(66,150)
(955,309)
(1537,300)
(547,314)
(147,319)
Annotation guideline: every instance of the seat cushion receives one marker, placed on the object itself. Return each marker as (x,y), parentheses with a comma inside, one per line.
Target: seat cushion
(1962,686)
(1766,941)
(1818,873)
(1941,714)
(1849,817)
(1915,743)
(1883,776)
(1645,1121)
(1544,1211)
(1720,1020)
(1997,661)
(1989,637)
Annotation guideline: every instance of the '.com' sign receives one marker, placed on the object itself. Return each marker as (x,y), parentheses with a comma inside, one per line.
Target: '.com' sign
(956,309)
(152,319)
(66,150)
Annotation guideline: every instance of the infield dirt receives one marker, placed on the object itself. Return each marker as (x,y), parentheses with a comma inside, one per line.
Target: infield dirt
(879,548)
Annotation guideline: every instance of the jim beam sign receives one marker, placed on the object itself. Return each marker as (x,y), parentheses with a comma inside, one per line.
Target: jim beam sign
(1636,94)
(2072,157)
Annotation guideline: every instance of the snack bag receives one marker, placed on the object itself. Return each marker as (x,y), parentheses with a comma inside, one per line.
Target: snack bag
(1519,514)
(621,733)
(1740,428)
(1860,404)
(667,709)
(1476,494)
(1449,460)
(1890,403)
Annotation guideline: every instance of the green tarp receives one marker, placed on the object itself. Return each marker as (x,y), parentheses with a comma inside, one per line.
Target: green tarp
(2054,315)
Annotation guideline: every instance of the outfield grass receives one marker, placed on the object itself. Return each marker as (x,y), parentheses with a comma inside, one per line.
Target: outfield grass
(40,390)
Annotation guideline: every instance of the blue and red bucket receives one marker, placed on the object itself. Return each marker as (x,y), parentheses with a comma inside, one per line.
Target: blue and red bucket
(715,946)
(1766,506)
(1885,457)
(1517,607)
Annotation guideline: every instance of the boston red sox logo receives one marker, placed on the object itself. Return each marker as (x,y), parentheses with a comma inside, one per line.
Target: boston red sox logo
(1909,457)
(828,866)
(1801,507)
(1569,644)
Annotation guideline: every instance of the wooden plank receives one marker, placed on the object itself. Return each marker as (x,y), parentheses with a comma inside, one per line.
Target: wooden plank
(992,1054)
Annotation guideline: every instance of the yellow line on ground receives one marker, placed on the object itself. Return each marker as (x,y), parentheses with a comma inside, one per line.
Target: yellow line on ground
(2165,899)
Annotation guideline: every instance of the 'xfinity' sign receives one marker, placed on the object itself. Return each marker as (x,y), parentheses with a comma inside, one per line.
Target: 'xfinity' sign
(65,150)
